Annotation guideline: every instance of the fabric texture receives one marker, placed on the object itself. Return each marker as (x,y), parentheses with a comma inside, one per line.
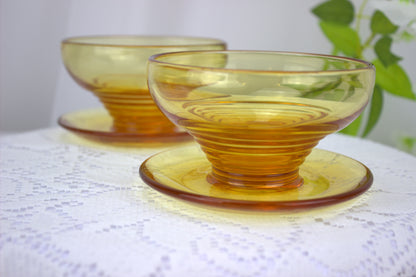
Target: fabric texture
(70,207)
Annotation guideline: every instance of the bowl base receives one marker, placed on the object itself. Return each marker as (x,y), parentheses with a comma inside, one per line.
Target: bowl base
(97,125)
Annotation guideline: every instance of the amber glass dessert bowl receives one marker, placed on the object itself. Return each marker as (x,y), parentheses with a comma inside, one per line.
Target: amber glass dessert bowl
(257,117)
(114,69)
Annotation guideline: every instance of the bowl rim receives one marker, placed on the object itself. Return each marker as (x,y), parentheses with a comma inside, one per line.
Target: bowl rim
(367,65)
(204,41)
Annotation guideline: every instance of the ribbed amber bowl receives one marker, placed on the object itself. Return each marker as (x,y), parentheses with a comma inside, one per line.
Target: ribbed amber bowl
(114,69)
(258,115)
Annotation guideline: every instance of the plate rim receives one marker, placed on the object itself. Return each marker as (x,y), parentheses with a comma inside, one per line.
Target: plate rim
(361,187)
(101,135)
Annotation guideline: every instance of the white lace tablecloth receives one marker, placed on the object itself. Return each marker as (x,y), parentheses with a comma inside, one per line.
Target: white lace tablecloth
(70,207)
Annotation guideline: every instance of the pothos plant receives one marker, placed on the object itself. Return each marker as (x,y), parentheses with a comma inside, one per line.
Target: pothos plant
(344,28)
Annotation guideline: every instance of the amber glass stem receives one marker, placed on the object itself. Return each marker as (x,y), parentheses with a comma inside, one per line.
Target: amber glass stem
(256,164)
(135,113)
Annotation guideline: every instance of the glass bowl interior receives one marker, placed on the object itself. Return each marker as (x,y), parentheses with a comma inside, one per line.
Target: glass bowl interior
(143,41)
(262,61)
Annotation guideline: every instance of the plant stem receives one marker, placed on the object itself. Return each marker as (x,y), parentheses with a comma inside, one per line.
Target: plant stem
(357,28)
(366,44)
(368,41)
(360,15)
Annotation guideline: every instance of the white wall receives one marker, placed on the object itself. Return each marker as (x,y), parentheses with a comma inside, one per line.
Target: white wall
(29,61)
(35,88)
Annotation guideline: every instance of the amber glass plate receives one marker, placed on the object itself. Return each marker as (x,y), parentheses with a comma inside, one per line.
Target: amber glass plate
(329,178)
(96,124)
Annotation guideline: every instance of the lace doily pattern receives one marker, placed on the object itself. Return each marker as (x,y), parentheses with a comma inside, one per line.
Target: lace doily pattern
(69,207)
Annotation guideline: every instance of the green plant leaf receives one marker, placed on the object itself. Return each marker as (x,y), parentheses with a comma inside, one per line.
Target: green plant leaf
(408,144)
(393,79)
(380,24)
(343,37)
(382,49)
(320,90)
(376,107)
(355,82)
(406,36)
(337,11)
(353,128)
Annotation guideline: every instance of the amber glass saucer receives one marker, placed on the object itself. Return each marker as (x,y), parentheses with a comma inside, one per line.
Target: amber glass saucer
(96,124)
(329,178)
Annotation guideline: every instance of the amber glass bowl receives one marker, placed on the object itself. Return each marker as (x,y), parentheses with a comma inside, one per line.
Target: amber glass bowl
(258,115)
(114,69)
